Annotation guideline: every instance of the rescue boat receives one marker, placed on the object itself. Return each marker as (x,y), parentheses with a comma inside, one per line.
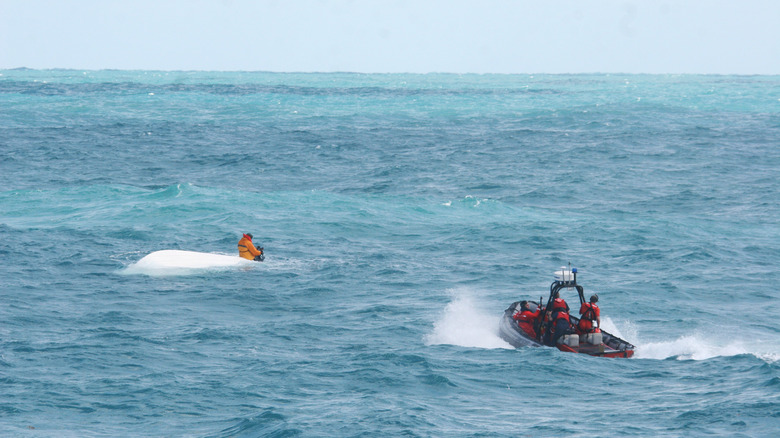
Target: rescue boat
(595,343)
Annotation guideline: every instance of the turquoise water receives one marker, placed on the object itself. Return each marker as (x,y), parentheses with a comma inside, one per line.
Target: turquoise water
(400,215)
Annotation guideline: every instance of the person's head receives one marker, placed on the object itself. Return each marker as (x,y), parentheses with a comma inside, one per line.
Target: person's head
(557,295)
(249,235)
(594,298)
(523,304)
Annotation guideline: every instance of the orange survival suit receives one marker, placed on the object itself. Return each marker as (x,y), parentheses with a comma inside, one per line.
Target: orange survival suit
(246,248)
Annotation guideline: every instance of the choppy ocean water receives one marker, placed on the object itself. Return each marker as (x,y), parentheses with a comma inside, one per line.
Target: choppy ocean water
(400,215)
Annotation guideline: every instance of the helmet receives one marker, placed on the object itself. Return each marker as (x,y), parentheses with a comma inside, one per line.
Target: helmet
(250,236)
(594,298)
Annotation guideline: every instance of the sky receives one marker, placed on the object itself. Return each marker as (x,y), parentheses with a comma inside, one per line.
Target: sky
(395,36)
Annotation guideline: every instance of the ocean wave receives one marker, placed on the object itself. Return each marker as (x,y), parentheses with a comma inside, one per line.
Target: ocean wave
(267,424)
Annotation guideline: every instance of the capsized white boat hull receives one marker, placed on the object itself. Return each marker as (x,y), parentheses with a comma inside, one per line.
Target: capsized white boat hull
(172,261)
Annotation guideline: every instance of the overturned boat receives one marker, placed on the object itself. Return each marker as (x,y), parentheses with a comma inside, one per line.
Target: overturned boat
(595,342)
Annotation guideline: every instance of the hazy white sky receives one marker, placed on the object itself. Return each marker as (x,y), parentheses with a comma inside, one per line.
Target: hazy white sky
(458,36)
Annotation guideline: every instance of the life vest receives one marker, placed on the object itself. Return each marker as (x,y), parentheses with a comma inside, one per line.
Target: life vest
(590,312)
(560,309)
(559,303)
(246,248)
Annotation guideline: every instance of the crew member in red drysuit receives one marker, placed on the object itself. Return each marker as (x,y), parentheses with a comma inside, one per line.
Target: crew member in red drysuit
(526,319)
(559,304)
(560,324)
(590,312)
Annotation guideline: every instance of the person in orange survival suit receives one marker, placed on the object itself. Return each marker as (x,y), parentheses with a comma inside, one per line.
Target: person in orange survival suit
(247,250)
(526,319)
(590,312)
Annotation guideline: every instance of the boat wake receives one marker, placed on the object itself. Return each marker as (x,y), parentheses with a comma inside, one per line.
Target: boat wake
(175,262)
(698,347)
(466,324)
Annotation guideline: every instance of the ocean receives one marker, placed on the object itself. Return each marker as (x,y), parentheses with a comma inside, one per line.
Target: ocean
(400,215)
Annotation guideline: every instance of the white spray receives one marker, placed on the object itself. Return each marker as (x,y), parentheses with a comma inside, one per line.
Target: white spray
(465,323)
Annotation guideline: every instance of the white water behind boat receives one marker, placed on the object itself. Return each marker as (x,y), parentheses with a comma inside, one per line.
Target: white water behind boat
(177,262)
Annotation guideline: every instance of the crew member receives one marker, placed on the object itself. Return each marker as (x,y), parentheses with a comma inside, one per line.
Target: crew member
(559,324)
(526,319)
(247,250)
(562,324)
(559,304)
(590,312)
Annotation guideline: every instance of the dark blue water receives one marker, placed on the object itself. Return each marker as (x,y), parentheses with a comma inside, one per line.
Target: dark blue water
(400,215)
